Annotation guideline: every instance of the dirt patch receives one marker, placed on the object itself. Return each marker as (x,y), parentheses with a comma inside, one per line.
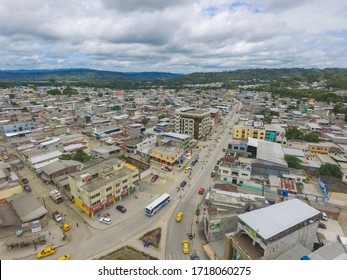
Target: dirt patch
(127,253)
(152,238)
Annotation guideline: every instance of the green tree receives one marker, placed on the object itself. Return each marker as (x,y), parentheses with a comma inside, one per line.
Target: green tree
(54,92)
(24,109)
(144,121)
(330,170)
(293,133)
(81,156)
(100,94)
(310,137)
(293,161)
(12,95)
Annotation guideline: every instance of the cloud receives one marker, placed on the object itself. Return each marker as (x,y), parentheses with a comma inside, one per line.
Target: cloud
(179,36)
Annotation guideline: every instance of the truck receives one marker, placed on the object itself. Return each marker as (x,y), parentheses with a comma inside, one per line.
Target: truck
(56,196)
(57,216)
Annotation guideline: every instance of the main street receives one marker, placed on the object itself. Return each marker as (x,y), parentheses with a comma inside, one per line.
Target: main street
(200,178)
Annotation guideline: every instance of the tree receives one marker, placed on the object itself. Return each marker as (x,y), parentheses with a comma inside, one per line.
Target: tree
(144,121)
(293,161)
(81,156)
(293,133)
(310,137)
(330,170)
(100,94)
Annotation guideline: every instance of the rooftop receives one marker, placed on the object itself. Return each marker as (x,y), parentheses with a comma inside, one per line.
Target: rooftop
(274,219)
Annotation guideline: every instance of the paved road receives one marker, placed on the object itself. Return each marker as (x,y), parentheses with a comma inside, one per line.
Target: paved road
(200,178)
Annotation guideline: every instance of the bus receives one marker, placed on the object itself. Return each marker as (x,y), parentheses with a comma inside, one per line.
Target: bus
(157,204)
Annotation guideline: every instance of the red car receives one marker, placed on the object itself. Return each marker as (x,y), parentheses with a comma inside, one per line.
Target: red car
(154,178)
(201,191)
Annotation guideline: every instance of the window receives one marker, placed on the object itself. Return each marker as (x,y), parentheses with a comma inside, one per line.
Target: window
(109,195)
(96,203)
(135,176)
(108,189)
(124,181)
(117,191)
(124,188)
(118,184)
(95,195)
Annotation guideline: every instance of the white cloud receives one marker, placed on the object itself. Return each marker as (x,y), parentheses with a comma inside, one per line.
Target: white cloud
(178,36)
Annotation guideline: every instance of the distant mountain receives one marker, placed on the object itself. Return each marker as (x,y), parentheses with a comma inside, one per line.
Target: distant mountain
(80,75)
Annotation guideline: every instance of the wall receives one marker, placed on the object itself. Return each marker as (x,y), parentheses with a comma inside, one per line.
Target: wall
(306,236)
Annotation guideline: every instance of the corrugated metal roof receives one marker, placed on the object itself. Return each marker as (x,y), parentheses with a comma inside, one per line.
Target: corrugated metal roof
(45,157)
(276,218)
(271,152)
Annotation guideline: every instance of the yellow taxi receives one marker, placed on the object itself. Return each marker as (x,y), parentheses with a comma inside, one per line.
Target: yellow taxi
(46,252)
(186,170)
(179,216)
(185,247)
(64,257)
(65,227)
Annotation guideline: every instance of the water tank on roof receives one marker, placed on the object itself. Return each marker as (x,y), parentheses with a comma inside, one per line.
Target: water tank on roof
(305,258)
(285,193)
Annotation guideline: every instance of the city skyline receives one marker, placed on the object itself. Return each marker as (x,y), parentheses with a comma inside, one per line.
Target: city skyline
(172,36)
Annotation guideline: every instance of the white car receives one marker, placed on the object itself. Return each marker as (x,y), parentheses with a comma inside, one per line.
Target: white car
(106,221)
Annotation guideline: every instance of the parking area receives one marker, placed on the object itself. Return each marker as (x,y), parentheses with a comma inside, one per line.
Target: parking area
(333,229)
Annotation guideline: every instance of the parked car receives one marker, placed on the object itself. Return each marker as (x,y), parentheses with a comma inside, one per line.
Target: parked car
(27,188)
(105,220)
(186,170)
(121,208)
(154,178)
(179,216)
(46,252)
(194,257)
(201,191)
(166,168)
(64,257)
(321,225)
(183,184)
(24,181)
(185,246)
(324,216)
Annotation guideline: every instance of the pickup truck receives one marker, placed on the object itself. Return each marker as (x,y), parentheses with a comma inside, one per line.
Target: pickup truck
(57,217)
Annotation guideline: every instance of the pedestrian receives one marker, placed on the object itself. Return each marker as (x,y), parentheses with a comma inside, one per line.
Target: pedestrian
(193,235)
(76,224)
(49,233)
(35,248)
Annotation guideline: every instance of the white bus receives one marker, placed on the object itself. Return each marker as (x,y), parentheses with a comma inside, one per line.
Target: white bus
(157,204)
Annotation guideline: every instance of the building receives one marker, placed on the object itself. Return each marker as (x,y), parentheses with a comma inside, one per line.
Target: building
(269,159)
(101,184)
(167,155)
(193,122)
(271,231)
(179,140)
(234,171)
(243,132)
(17,129)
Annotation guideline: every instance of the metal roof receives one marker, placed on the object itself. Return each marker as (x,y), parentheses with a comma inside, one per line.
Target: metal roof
(271,152)
(272,220)
(41,158)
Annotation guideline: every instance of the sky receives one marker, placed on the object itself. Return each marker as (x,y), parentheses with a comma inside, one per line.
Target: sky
(179,36)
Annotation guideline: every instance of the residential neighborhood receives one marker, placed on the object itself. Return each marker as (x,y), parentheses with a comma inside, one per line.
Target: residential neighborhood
(257,177)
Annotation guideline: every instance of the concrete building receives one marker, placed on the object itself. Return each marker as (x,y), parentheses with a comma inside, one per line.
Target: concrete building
(193,122)
(244,131)
(167,155)
(103,183)
(271,231)
(234,171)
(269,159)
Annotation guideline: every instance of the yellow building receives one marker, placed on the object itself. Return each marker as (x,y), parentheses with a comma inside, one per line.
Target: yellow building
(319,148)
(243,131)
(101,184)
(166,155)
